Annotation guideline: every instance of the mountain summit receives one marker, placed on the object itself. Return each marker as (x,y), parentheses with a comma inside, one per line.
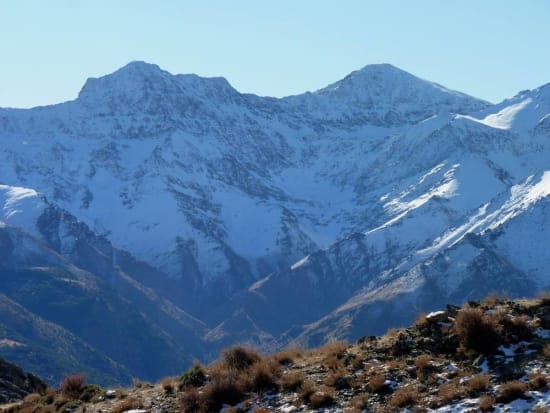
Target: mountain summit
(383,95)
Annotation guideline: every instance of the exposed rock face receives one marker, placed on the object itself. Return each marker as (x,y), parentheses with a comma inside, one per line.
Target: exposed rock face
(16,384)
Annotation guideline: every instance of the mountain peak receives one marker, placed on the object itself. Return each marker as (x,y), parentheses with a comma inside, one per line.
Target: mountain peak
(128,85)
(140,83)
(140,66)
(385,77)
(382,94)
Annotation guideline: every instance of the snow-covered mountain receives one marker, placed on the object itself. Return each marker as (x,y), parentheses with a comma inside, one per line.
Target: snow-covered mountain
(301,217)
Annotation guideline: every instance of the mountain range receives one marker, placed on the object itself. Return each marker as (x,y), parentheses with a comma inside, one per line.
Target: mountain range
(158,218)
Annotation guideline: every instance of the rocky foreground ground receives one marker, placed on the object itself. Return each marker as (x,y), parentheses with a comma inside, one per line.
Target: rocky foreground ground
(487,356)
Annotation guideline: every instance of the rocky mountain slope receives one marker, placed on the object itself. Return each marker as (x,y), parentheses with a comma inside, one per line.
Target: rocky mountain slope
(214,217)
(15,383)
(487,356)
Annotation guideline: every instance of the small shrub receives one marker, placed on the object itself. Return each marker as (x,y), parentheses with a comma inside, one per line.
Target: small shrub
(71,386)
(401,345)
(225,387)
(321,399)
(264,375)
(511,391)
(168,385)
(477,331)
(404,396)
(517,327)
(333,363)
(423,366)
(334,348)
(337,379)
(377,383)
(127,404)
(291,381)
(478,383)
(90,391)
(287,356)
(190,401)
(360,402)
(538,381)
(486,403)
(194,377)
(306,390)
(449,392)
(240,357)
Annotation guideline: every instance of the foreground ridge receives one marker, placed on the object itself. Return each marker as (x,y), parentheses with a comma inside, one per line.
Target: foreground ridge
(491,355)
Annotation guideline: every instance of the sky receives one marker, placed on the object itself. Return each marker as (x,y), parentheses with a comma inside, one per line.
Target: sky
(490,49)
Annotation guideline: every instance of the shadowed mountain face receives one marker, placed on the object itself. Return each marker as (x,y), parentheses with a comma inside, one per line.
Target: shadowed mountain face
(16,384)
(158,217)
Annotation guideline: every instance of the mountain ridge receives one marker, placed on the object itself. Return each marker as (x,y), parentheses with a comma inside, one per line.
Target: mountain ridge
(212,207)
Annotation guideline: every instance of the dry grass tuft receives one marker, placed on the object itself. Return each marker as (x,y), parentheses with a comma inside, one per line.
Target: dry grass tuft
(478,383)
(264,375)
(288,355)
(323,398)
(360,402)
(538,381)
(423,366)
(477,331)
(226,386)
(190,401)
(194,377)
(240,357)
(306,390)
(168,384)
(292,381)
(333,362)
(128,404)
(404,396)
(449,392)
(71,386)
(377,383)
(511,391)
(334,348)
(486,403)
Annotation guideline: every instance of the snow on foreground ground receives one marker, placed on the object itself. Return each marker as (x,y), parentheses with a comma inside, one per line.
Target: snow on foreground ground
(487,356)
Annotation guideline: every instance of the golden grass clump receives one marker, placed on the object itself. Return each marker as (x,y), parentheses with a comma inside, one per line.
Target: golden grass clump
(511,391)
(292,380)
(478,383)
(240,357)
(129,403)
(477,331)
(404,396)
(486,403)
(71,386)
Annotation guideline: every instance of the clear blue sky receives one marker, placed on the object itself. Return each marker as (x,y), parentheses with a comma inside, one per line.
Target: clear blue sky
(487,48)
